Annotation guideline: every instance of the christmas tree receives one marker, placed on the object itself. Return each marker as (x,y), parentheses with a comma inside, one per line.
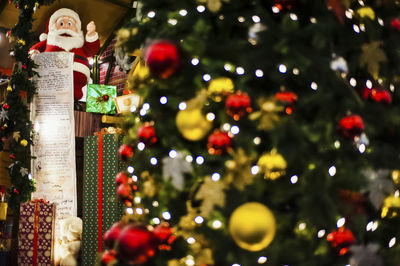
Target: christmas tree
(268,134)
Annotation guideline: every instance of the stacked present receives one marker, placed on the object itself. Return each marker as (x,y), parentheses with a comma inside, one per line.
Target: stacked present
(36,233)
(100,206)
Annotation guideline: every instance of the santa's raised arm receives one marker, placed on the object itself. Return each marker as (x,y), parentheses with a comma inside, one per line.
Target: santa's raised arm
(65,34)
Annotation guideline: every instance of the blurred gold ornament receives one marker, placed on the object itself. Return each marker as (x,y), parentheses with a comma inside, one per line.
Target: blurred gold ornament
(220,87)
(191,122)
(238,170)
(150,188)
(16,135)
(272,164)
(252,226)
(124,34)
(9,88)
(211,194)
(24,142)
(139,73)
(366,12)
(391,206)
(396,177)
(268,115)
(21,42)
(372,55)
(213,5)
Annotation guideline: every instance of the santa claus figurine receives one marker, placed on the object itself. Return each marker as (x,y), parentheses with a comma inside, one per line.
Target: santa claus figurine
(65,34)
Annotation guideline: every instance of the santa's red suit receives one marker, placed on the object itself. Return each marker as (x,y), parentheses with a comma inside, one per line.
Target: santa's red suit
(81,64)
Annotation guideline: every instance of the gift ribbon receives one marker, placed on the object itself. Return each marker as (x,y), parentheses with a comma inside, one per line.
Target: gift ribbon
(35,233)
(100,195)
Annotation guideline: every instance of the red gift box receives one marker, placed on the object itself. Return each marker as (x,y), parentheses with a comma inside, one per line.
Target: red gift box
(36,233)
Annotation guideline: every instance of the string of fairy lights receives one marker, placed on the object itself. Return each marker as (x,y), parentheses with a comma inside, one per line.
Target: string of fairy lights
(233,130)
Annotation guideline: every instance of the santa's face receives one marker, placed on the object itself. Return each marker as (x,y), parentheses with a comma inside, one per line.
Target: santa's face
(66,23)
(65,34)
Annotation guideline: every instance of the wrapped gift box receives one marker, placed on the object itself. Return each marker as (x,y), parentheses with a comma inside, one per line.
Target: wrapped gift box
(36,234)
(100,98)
(100,206)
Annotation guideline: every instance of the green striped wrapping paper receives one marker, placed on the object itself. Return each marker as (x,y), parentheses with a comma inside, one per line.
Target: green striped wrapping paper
(112,210)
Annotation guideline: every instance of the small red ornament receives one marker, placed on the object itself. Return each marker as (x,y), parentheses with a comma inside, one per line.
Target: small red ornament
(8,34)
(162,58)
(355,200)
(18,6)
(108,256)
(24,66)
(6,106)
(289,99)
(136,244)
(218,143)
(124,192)
(284,4)
(106,97)
(147,134)
(379,95)
(341,240)
(351,126)
(395,23)
(12,156)
(238,105)
(16,191)
(164,234)
(121,178)
(111,236)
(125,152)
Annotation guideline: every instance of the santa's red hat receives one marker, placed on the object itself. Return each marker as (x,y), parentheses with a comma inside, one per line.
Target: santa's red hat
(43,36)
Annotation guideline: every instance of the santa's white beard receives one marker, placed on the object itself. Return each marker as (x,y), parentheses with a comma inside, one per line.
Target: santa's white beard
(67,43)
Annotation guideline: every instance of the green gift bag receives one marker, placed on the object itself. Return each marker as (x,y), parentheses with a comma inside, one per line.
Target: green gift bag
(100,98)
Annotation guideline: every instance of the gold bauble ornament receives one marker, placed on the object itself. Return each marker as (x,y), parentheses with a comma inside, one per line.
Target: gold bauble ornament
(396,177)
(192,124)
(220,87)
(24,142)
(272,164)
(252,226)
(391,206)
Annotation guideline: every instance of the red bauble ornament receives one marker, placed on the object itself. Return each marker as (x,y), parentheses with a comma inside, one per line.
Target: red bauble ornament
(6,106)
(106,97)
(395,24)
(162,58)
(125,152)
(108,256)
(238,105)
(121,178)
(289,99)
(341,239)
(147,134)
(111,236)
(136,244)
(218,143)
(124,192)
(351,126)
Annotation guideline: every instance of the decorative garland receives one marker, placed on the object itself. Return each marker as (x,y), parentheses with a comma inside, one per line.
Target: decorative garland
(15,125)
